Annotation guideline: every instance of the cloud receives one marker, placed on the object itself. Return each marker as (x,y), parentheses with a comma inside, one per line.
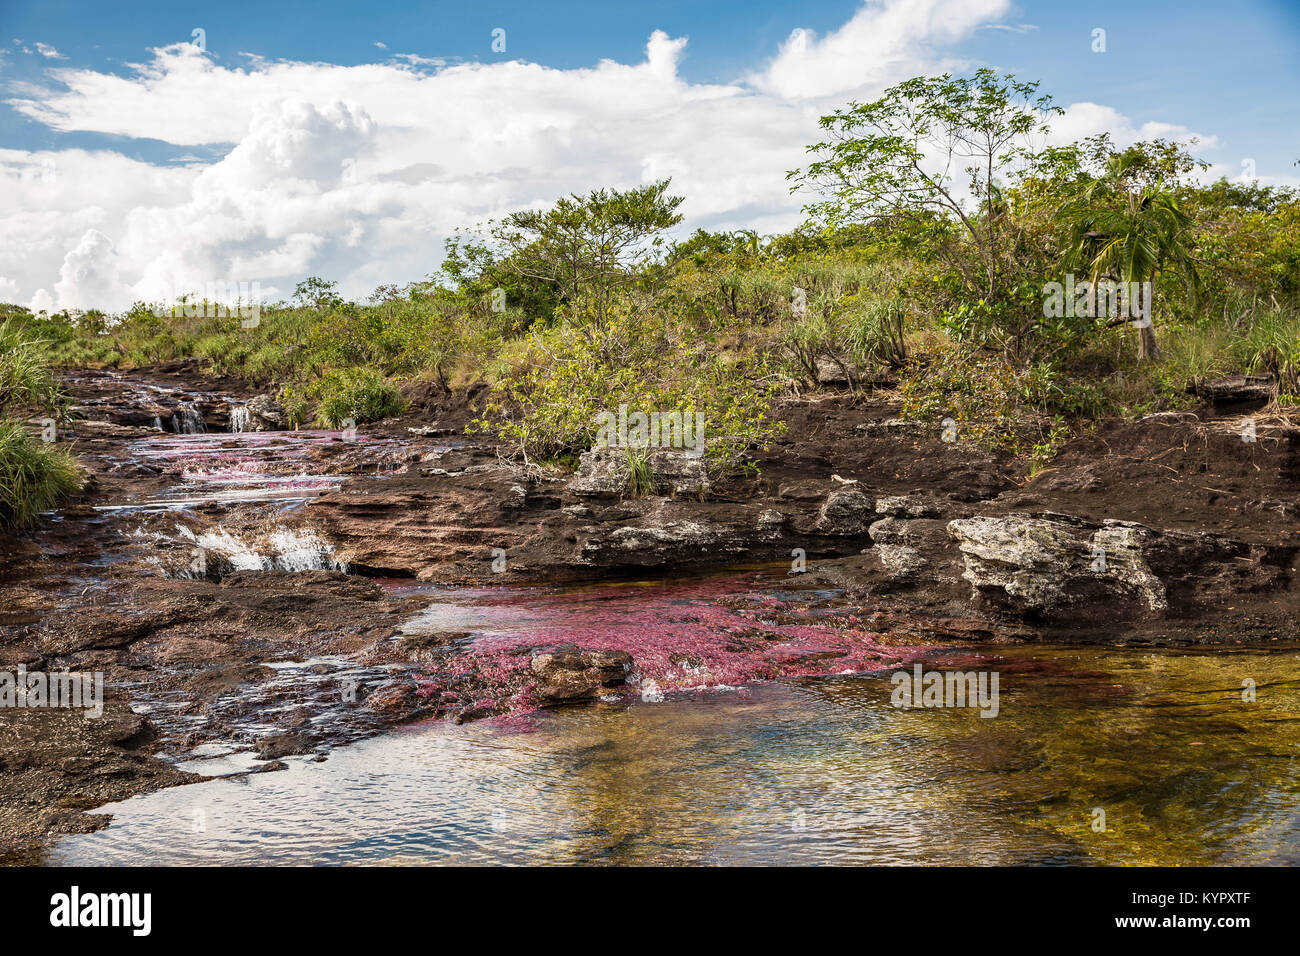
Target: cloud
(358,173)
(885,41)
(89,275)
(47,51)
(1088,119)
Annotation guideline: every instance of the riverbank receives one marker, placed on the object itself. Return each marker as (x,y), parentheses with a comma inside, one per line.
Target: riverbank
(264,594)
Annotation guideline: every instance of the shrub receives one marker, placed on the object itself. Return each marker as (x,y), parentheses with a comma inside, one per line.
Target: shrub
(297,409)
(360,394)
(1021,409)
(34,476)
(547,402)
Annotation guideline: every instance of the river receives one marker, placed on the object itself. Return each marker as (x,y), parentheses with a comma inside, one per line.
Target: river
(817,770)
(1096,755)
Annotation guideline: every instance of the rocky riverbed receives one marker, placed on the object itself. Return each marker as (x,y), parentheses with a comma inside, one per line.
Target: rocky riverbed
(259,593)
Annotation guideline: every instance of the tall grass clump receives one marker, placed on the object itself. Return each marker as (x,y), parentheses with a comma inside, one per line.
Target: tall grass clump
(34,476)
(26,381)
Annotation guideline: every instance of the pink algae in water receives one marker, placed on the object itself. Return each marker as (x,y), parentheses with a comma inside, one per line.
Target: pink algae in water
(682,636)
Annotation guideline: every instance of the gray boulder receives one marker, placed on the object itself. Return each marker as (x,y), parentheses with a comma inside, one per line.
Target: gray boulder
(846,511)
(265,414)
(605,472)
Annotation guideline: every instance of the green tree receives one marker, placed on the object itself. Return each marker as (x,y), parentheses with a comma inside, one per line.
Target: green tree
(477,270)
(590,246)
(893,158)
(314,292)
(1128,225)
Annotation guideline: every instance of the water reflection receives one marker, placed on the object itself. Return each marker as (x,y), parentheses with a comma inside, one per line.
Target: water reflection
(813,771)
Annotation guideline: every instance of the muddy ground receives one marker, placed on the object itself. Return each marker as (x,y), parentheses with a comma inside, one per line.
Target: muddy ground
(919,539)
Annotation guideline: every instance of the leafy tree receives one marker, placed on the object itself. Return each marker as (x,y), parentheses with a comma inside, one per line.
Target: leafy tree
(1128,225)
(590,246)
(895,157)
(476,271)
(316,293)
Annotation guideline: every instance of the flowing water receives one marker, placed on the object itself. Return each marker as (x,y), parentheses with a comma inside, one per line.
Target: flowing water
(816,770)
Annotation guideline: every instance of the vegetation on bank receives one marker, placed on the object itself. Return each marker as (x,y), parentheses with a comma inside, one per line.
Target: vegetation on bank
(35,475)
(939,281)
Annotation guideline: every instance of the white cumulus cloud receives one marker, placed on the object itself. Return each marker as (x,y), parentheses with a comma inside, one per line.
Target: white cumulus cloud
(358,173)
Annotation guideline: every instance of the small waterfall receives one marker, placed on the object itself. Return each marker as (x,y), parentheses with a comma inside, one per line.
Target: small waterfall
(276,549)
(191,422)
(239,419)
(157,424)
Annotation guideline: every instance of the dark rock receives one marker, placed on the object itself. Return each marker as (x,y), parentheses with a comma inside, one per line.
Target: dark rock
(568,673)
(395,698)
(846,512)
(284,745)
(1235,389)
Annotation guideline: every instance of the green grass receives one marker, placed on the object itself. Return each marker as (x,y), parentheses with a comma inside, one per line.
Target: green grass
(34,476)
(640,476)
(25,377)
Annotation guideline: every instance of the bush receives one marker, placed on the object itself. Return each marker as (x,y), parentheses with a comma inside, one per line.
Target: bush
(547,401)
(26,381)
(360,394)
(1021,409)
(34,476)
(297,409)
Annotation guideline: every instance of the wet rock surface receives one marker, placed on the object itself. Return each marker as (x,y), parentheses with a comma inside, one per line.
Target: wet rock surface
(569,673)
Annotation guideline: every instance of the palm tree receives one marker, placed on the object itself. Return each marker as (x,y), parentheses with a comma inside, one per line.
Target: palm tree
(1126,226)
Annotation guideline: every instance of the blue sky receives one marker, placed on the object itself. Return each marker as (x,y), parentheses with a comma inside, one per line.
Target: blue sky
(1234,68)
(1228,73)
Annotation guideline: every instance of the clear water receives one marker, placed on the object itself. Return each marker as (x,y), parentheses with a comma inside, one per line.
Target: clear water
(816,770)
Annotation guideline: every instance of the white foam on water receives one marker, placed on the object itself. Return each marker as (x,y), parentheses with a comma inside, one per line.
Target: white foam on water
(282,549)
(239,419)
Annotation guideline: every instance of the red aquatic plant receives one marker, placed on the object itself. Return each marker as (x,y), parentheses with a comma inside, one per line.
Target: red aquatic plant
(683,636)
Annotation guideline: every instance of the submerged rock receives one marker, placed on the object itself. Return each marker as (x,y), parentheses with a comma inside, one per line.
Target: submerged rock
(568,673)
(284,745)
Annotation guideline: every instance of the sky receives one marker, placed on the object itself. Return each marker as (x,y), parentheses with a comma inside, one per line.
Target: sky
(155,148)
